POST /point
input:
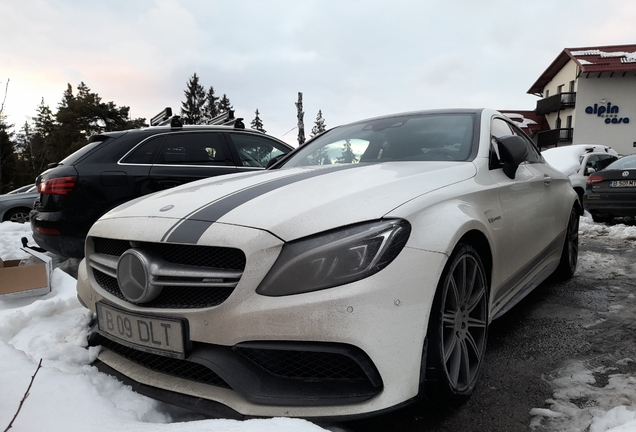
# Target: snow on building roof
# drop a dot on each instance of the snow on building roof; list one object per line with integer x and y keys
{"x": 528, "y": 121}
{"x": 597, "y": 60}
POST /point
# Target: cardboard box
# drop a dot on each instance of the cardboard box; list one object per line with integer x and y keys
{"x": 18, "y": 281}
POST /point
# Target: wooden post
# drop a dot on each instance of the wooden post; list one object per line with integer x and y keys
{"x": 301, "y": 124}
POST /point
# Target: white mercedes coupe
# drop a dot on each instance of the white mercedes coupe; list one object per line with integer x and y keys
{"x": 355, "y": 275}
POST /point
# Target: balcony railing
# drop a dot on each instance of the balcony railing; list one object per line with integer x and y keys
{"x": 556, "y": 103}
{"x": 554, "y": 138}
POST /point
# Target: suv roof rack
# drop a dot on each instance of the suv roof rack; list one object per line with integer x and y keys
{"x": 225, "y": 119}
{"x": 161, "y": 118}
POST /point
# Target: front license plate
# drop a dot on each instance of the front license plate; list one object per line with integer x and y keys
{"x": 147, "y": 333}
{"x": 623, "y": 183}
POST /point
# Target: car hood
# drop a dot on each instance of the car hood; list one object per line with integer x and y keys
{"x": 296, "y": 202}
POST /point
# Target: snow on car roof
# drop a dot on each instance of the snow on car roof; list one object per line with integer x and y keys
{"x": 566, "y": 159}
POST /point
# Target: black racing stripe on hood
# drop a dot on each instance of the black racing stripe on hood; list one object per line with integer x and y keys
{"x": 190, "y": 229}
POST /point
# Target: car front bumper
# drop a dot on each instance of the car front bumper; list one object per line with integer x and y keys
{"x": 377, "y": 325}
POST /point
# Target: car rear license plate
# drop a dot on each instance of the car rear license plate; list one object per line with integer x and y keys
{"x": 154, "y": 334}
{"x": 623, "y": 183}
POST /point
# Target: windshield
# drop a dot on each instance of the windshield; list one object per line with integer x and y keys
{"x": 627, "y": 162}
{"x": 426, "y": 137}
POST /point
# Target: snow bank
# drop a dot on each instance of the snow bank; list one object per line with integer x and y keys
{"x": 68, "y": 394}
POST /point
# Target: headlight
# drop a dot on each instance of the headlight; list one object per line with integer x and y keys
{"x": 335, "y": 257}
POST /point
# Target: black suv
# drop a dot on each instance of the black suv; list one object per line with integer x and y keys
{"x": 115, "y": 167}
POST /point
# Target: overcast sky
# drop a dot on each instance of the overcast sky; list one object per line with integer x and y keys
{"x": 352, "y": 59}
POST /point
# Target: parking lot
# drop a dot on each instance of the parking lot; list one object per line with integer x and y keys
{"x": 571, "y": 335}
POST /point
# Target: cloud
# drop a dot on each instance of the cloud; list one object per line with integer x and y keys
{"x": 351, "y": 59}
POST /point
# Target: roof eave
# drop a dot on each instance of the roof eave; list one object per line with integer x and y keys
{"x": 562, "y": 59}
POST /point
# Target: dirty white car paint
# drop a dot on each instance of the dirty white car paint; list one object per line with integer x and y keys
{"x": 365, "y": 269}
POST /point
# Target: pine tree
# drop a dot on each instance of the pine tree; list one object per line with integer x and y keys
{"x": 52, "y": 137}
{"x": 70, "y": 132}
{"x": 40, "y": 139}
{"x": 257, "y": 123}
{"x": 44, "y": 121}
{"x": 79, "y": 117}
{"x": 320, "y": 157}
{"x": 348, "y": 156}
{"x": 27, "y": 166}
{"x": 7, "y": 158}
{"x": 319, "y": 125}
{"x": 192, "y": 107}
{"x": 210, "y": 107}
{"x": 224, "y": 104}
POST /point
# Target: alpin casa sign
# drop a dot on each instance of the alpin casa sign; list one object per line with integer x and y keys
{"x": 607, "y": 111}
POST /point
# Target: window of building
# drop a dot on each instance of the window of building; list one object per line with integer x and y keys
{"x": 571, "y": 86}
{"x": 568, "y": 122}
{"x": 560, "y": 89}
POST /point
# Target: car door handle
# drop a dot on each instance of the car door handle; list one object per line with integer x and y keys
{"x": 547, "y": 180}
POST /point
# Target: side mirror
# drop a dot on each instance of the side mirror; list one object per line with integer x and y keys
{"x": 589, "y": 170}
{"x": 512, "y": 151}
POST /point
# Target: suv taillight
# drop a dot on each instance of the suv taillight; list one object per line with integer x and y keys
{"x": 57, "y": 186}
{"x": 594, "y": 179}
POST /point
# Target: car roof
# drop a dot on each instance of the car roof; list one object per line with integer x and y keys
{"x": 577, "y": 150}
{"x": 423, "y": 112}
{"x": 149, "y": 130}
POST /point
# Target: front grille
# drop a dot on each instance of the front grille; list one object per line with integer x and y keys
{"x": 170, "y": 366}
{"x": 189, "y": 288}
{"x": 194, "y": 255}
{"x": 305, "y": 365}
{"x": 171, "y": 297}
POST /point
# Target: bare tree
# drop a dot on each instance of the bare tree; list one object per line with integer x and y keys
{"x": 26, "y": 395}
{"x": 6, "y": 89}
{"x": 301, "y": 124}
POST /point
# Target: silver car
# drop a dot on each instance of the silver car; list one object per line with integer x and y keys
{"x": 16, "y": 205}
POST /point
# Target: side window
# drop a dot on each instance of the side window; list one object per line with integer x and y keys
{"x": 534, "y": 155}
{"x": 255, "y": 151}
{"x": 197, "y": 148}
{"x": 498, "y": 129}
{"x": 605, "y": 160}
{"x": 146, "y": 152}
{"x": 592, "y": 162}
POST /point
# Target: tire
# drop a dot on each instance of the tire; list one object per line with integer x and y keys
{"x": 570, "y": 255}
{"x": 457, "y": 329}
{"x": 19, "y": 215}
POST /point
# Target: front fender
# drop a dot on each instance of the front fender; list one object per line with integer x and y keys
{"x": 438, "y": 228}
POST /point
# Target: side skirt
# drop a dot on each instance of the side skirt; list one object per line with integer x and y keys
{"x": 546, "y": 269}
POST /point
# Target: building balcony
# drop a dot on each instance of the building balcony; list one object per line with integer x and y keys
{"x": 554, "y": 138}
{"x": 556, "y": 103}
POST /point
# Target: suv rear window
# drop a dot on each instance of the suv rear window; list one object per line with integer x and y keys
{"x": 79, "y": 154}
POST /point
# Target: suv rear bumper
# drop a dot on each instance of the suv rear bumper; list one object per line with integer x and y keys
{"x": 71, "y": 246}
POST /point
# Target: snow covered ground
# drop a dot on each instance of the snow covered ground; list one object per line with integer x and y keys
{"x": 70, "y": 395}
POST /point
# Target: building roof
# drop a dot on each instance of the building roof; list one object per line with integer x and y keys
{"x": 528, "y": 121}
{"x": 614, "y": 58}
